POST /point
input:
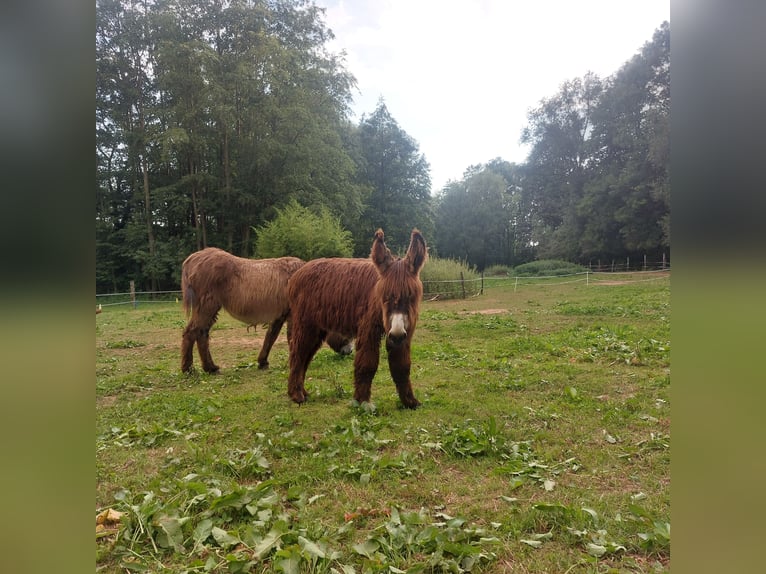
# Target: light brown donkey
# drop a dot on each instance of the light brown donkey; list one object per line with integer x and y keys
{"x": 253, "y": 291}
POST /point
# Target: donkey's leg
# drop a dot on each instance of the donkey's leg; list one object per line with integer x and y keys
{"x": 304, "y": 343}
{"x": 203, "y": 318}
{"x": 203, "y": 345}
{"x": 268, "y": 341}
{"x": 365, "y": 365}
{"x": 399, "y": 364}
{"x": 187, "y": 347}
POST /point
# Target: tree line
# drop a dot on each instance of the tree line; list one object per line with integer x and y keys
{"x": 214, "y": 117}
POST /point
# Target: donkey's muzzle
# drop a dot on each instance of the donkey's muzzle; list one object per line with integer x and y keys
{"x": 395, "y": 340}
{"x": 398, "y": 331}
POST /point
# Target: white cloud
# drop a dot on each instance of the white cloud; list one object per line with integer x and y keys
{"x": 459, "y": 77}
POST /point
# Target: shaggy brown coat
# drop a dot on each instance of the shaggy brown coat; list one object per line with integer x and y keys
{"x": 253, "y": 291}
{"x": 363, "y": 299}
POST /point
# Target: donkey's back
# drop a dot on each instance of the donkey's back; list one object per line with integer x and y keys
{"x": 257, "y": 292}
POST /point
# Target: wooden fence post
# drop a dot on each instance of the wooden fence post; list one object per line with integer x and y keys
{"x": 462, "y": 283}
{"x": 133, "y": 293}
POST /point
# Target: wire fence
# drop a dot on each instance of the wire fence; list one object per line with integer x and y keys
{"x": 135, "y": 298}
{"x": 476, "y": 286}
{"x": 433, "y": 289}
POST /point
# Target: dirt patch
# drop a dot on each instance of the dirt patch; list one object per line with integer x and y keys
{"x": 654, "y": 274}
{"x": 106, "y": 401}
{"x": 486, "y": 312}
{"x": 251, "y": 340}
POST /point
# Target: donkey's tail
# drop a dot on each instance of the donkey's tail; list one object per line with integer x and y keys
{"x": 187, "y": 292}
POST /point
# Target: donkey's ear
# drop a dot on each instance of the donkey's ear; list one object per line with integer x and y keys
{"x": 417, "y": 252}
{"x": 380, "y": 254}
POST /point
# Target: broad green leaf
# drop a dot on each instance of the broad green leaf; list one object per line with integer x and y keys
{"x": 310, "y": 547}
{"x": 515, "y": 482}
{"x": 596, "y": 550}
{"x": 291, "y": 565}
{"x": 223, "y": 538}
{"x": 549, "y": 484}
{"x": 367, "y": 548}
{"x": 203, "y": 530}
{"x": 542, "y": 536}
{"x": 532, "y": 543}
{"x": 455, "y": 522}
{"x": 235, "y": 499}
{"x": 662, "y": 529}
{"x": 269, "y": 541}
{"x": 171, "y": 535}
{"x": 591, "y": 512}
{"x": 638, "y": 511}
{"x": 236, "y": 565}
{"x": 460, "y": 549}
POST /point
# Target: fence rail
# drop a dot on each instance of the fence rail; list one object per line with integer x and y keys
{"x": 628, "y": 265}
{"x": 475, "y": 286}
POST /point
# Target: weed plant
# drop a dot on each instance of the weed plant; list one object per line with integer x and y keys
{"x": 449, "y": 279}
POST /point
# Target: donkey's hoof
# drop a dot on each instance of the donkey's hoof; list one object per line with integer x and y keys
{"x": 263, "y": 366}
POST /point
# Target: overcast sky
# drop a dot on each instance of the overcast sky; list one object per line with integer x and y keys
{"x": 459, "y": 76}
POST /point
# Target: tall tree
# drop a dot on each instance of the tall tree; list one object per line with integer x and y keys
{"x": 472, "y": 221}
{"x": 211, "y": 115}
{"x": 627, "y": 198}
{"x": 399, "y": 177}
{"x": 125, "y": 123}
{"x": 480, "y": 219}
{"x": 559, "y": 131}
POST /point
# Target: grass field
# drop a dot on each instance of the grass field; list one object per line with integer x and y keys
{"x": 542, "y": 444}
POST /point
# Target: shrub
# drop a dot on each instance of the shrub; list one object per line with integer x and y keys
{"x": 497, "y": 271}
{"x": 441, "y": 278}
{"x": 547, "y": 267}
{"x": 305, "y": 233}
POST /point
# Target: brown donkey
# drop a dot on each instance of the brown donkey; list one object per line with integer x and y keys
{"x": 363, "y": 299}
{"x": 251, "y": 290}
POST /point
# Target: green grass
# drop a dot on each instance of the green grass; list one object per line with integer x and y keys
{"x": 542, "y": 445}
